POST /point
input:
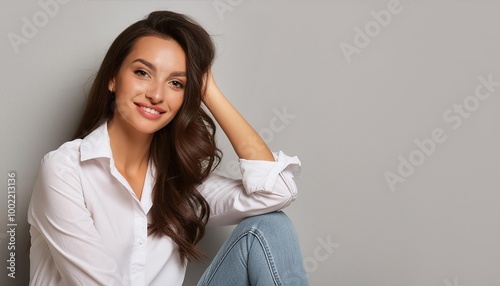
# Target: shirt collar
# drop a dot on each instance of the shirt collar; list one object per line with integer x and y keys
{"x": 96, "y": 144}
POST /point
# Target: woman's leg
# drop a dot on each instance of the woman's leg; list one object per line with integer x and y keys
{"x": 262, "y": 250}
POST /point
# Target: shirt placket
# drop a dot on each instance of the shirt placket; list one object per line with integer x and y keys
{"x": 138, "y": 258}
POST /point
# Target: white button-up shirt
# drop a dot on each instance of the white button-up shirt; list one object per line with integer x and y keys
{"x": 89, "y": 228}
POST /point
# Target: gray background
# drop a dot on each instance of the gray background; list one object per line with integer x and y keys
{"x": 353, "y": 117}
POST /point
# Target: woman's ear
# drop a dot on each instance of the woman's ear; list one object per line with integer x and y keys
{"x": 111, "y": 85}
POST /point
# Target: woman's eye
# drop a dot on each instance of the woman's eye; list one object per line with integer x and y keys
{"x": 141, "y": 73}
{"x": 177, "y": 84}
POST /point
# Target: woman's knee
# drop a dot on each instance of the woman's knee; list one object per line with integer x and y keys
{"x": 274, "y": 223}
{"x": 279, "y": 241}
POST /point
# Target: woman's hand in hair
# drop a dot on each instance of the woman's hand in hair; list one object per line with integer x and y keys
{"x": 245, "y": 140}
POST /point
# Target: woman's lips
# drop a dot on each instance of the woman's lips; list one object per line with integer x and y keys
{"x": 149, "y": 111}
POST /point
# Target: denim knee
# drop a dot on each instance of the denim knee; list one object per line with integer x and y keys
{"x": 269, "y": 224}
{"x": 278, "y": 238}
{"x": 264, "y": 249}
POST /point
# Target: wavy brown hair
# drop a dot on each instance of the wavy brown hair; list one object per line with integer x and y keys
{"x": 184, "y": 151}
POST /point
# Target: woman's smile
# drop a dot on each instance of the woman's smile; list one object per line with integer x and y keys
{"x": 149, "y": 111}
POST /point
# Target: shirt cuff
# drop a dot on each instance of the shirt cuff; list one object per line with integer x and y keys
{"x": 262, "y": 175}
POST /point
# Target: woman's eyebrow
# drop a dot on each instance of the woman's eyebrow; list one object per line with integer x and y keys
{"x": 146, "y": 63}
{"x": 152, "y": 66}
{"x": 178, "y": 73}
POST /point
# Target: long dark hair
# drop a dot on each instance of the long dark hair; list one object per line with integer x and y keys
{"x": 184, "y": 151}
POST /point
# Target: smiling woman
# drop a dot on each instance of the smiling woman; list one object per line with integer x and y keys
{"x": 126, "y": 202}
{"x": 149, "y": 90}
{"x": 160, "y": 75}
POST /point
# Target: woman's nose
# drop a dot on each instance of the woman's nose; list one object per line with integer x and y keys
{"x": 155, "y": 94}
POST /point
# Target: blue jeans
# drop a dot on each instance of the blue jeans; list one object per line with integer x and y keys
{"x": 262, "y": 250}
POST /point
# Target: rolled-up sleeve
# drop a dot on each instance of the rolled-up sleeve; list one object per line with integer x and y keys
{"x": 265, "y": 186}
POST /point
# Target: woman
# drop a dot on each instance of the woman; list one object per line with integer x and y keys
{"x": 127, "y": 200}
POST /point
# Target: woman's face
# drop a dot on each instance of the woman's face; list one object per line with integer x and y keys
{"x": 149, "y": 86}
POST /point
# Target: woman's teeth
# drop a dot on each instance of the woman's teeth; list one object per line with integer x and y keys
{"x": 149, "y": 110}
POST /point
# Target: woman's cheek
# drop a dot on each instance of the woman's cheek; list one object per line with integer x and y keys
{"x": 123, "y": 110}
{"x": 180, "y": 101}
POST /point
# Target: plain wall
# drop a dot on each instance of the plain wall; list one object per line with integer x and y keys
{"x": 392, "y": 120}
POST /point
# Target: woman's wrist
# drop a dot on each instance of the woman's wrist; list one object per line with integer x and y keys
{"x": 211, "y": 90}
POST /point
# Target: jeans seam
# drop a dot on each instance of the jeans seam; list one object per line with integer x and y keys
{"x": 268, "y": 255}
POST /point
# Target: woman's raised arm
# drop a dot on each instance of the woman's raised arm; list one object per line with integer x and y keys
{"x": 246, "y": 142}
